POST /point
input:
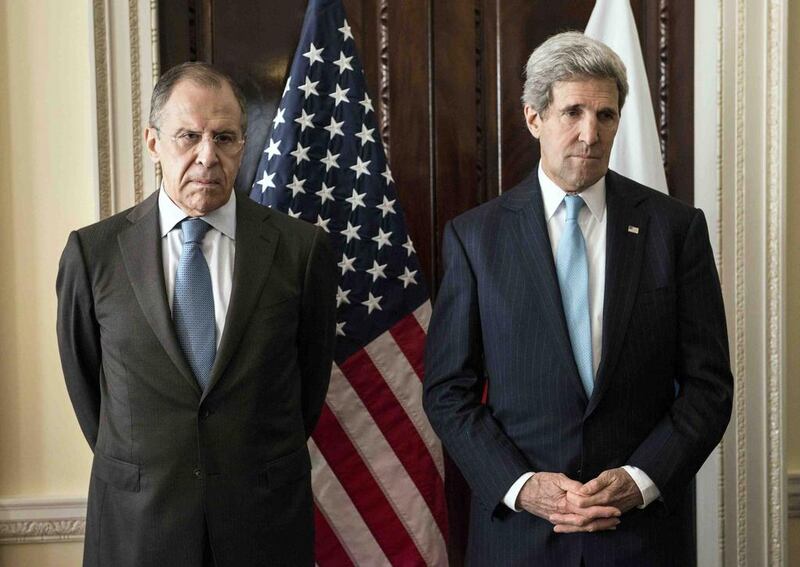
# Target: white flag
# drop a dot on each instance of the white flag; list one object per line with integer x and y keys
{"x": 636, "y": 153}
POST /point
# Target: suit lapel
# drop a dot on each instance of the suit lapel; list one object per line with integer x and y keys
{"x": 537, "y": 259}
{"x": 256, "y": 243}
{"x": 626, "y": 234}
{"x": 141, "y": 253}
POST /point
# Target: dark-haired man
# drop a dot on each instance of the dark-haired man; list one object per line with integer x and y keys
{"x": 196, "y": 336}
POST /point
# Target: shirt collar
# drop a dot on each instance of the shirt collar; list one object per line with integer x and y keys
{"x": 223, "y": 218}
{"x": 553, "y": 196}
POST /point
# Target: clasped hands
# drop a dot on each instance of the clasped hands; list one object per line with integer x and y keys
{"x": 574, "y": 507}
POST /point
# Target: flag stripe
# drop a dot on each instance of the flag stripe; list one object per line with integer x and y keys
{"x": 398, "y": 430}
{"x": 385, "y": 353}
{"x": 395, "y": 479}
{"x": 328, "y": 547}
{"x": 411, "y": 339}
{"x": 423, "y": 315}
{"x": 344, "y": 519}
{"x": 364, "y": 491}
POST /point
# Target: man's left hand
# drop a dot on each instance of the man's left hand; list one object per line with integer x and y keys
{"x": 613, "y": 487}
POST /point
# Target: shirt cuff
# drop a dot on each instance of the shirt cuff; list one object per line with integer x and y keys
{"x": 647, "y": 487}
{"x": 510, "y": 499}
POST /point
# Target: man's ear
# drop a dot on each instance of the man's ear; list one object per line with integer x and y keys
{"x": 152, "y": 143}
{"x": 533, "y": 119}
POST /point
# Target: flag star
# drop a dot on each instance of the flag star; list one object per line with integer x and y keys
{"x": 288, "y": 86}
{"x": 279, "y": 119}
{"x": 335, "y": 128}
{"x": 345, "y": 29}
{"x": 409, "y": 246}
{"x": 323, "y": 223}
{"x": 365, "y": 135}
{"x": 377, "y": 271}
{"x": 266, "y": 181}
{"x": 372, "y": 303}
{"x": 301, "y": 153}
{"x": 356, "y": 199}
{"x": 387, "y": 207}
{"x": 408, "y": 277}
{"x": 382, "y": 239}
{"x": 330, "y": 161}
{"x": 351, "y": 232}
{"x": 388, "y": 175}
{"x": 291, "y": 213}
{"x": 340, "y": 329}
{"x": 273, "y": 149}
{"x": 305, "y": 121}
{"x": 343, "y": 63}
{"x": 297, "y": 187}
{"x": 360, "y": 167}
{"x": 347, "y": 264}
{"x": 339, "y": 95}
{"x": 309, "y": 87}
{"x": 341, "y": 296}
{"x": 313, "y": 54}
{"x": 325, "y": 193}
{"x": 366, "y": 103}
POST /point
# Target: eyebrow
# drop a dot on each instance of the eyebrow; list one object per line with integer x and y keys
{"x": 582, "y": 107}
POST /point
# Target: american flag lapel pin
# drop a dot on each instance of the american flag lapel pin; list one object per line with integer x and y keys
{"x": 633, "y": 229}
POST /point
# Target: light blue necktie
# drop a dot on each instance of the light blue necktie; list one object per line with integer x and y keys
{"x": 573, "y": 279}
{"x": 193, "y": 303}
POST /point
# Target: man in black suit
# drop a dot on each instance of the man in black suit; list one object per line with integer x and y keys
{"x": 591, "y": 307}
{"x": 196, "y": 335}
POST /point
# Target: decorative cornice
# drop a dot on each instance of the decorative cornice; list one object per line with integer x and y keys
{"x": 102, "y": 104}
{"x": 383, "y": 75}
{"x": 776, "y": 237}
{"x": 136, "y": 101}
{"x": 663, "y": 79}
{"x": 40, "y": 520}
{"x": 740, "y": 346}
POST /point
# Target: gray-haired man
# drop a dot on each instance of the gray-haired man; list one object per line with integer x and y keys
{"x": 592, "y": 306}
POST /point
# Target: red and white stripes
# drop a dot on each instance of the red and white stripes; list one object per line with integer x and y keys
{"x": 378, "y": 473}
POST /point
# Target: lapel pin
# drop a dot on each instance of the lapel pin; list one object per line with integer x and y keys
{"x": 633, "y": 229}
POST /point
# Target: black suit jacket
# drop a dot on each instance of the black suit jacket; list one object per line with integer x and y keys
{"x": 662, "y": 396}
{"x": 172, "y": 463}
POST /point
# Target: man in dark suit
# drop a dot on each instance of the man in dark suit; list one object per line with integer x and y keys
{"x": 591, "y": 307}
{"x": 196, "y": 336}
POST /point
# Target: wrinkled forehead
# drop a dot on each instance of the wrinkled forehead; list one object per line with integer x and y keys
{"x": 200, "y": 106}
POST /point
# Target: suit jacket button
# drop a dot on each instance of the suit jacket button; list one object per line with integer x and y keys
{"x": 197, "y": 473}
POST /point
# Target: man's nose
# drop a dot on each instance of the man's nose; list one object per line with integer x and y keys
{"x": 207, "y": 152}
{"x": 589, "y": 131}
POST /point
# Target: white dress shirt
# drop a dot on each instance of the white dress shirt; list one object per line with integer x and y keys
{"x": 593, "y": 221}
{"x": 219, "y": 250}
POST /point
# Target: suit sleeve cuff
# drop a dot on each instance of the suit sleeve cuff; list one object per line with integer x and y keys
{"x": 510, "y": 499}
{"x": 647, "y": 487}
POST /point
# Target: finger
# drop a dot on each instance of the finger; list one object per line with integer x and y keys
{"x": 582, "y": 517}
{"x": 567, "y": 484}
{"x": 603, "y": 498}
{"x": 595, "y": 526}
{"x": 597, "y": 484}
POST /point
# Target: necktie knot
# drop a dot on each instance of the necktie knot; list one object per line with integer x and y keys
{"x": 194, "y": 229}
{"x": 573, "y": 204}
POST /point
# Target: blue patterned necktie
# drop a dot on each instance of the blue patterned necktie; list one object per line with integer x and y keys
{"x": 573, "y": 279}
{"x": 193, "y": 303}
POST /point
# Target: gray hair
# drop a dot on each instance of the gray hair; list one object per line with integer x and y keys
{"x": 202, "y": 74}
{"x": 568, "y": 56}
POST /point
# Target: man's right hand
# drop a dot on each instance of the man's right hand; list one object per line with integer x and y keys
{"x": 545, "y": 494}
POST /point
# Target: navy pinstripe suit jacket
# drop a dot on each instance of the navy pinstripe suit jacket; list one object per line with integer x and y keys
{"x": 498, "y": 317}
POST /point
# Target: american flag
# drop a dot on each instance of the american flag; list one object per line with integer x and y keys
{"x": 378, "y": 471}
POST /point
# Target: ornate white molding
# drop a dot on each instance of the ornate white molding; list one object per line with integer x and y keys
{"x": 746, "y": 208}
{"x": 126, "y": 67}
{"x": 39, "y": 520}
